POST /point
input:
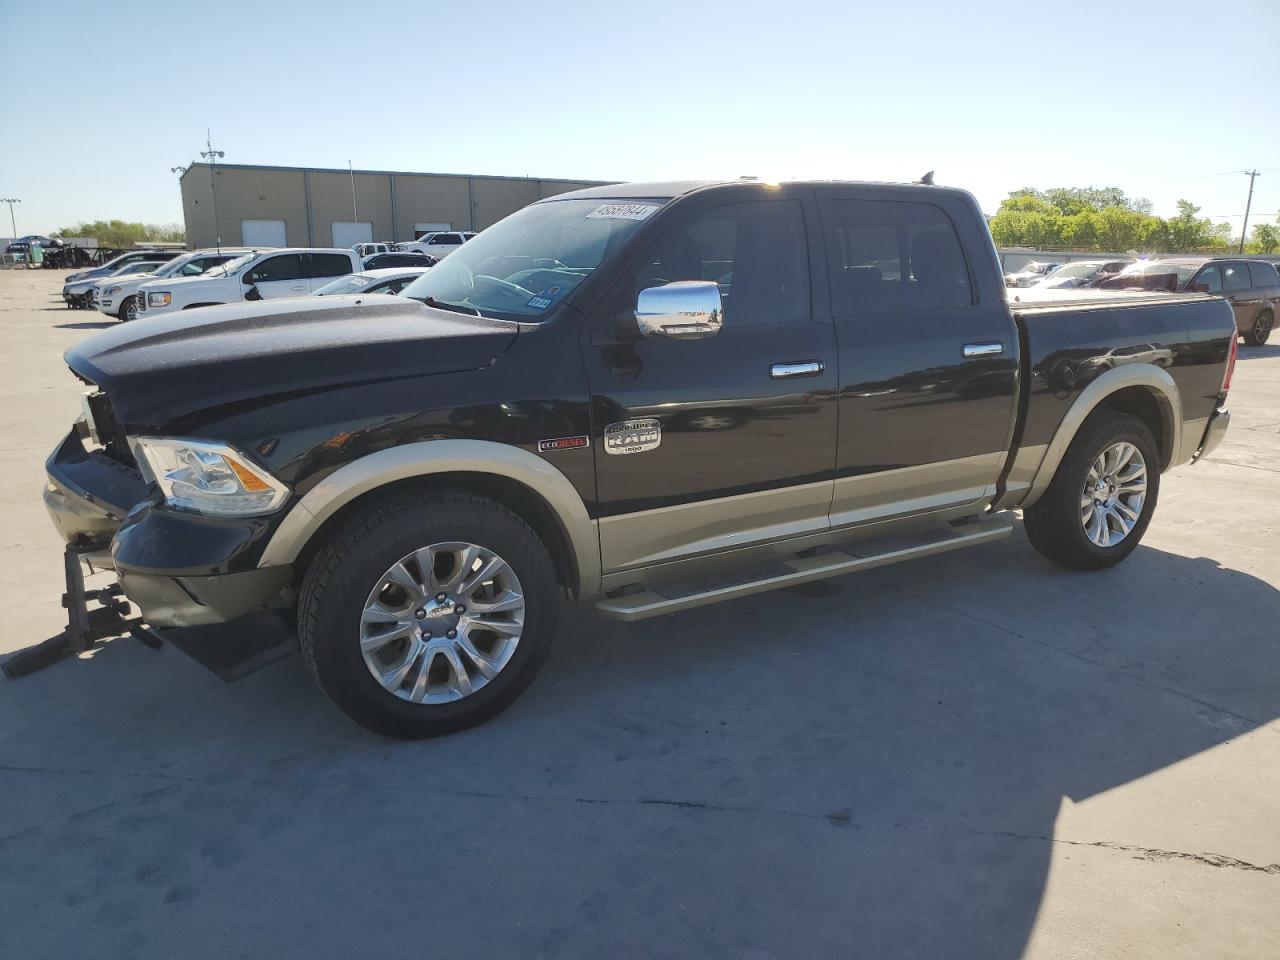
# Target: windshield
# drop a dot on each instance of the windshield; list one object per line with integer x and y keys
{"x": 350, "y": 284}
{"x": 521, "y": 267}
{"x": 1146, "y": 268}
{"x": 1071, "y": 271}
{"x": 230, "y": 267}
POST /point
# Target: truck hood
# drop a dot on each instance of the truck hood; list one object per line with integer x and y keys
{"x": 156, "y": 370}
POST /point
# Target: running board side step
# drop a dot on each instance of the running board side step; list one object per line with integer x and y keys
{"x": 660, "y": 599}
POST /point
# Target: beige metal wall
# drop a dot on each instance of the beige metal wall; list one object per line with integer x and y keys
{"x": 310, "y": 201}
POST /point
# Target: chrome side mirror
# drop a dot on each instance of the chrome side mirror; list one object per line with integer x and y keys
{"x": 684, "y": 310}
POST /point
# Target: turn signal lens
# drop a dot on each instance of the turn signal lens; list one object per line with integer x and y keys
{"x": 209, "y": 478}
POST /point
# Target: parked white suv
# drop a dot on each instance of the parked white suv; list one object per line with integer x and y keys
{"x": 369, "y": 249}
{"x": 260, "y": 275}
{"x": 438, "y": 245}
{"x": 118, "y": 296}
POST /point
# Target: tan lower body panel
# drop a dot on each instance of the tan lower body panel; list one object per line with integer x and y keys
{"x": 709, "y": 526}
{"x": 909, "y": 490}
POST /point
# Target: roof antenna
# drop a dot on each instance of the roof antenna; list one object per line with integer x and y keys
{"x": 927, "y": 179}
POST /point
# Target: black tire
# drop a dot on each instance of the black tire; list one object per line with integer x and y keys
{"x": 123, "y": 315}
{"x": 348, "y": 567}
{"x": 1261, "y": 329}
{"x": 1054, "y": 525}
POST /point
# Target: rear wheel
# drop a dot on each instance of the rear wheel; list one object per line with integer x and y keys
{"x": 1101, "y": 499}
{"x": 1261, "y": 329}
{"x": 428, "y": 613}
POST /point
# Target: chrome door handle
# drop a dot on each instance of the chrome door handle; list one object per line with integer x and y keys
{"x": 987, "y": 348}
{"x": 297, "y": 288}
{"x": 785, "y": 371}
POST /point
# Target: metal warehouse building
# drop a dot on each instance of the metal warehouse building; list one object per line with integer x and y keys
{"x": 312, "y": 207}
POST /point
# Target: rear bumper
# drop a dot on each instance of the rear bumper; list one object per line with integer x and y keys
{"x": 181, "y": 569}
{"x": 1213, "y": 434}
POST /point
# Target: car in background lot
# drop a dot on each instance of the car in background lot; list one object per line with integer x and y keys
{"x": 370, "y": 249}
{"x": 112, "y": 268}
{"x": 438, "y": 245}
{"x": 1033, "y": 272}
{"x": 117, "y": 296}
{"x": 83, "y": 293}
{"x": 396, "y": 259}
{"x": 1080, "y": 273}
{"x": 1251, "y": 286}
{"x": 389, "y": 281}
{"x": 24, "y": 244}
{"x": 259, "y": 275}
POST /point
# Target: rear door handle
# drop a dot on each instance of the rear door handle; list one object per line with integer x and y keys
{"x": 807, "y": 368}
{"x": 987, "y": 348}
{"x": 297, "y": 288}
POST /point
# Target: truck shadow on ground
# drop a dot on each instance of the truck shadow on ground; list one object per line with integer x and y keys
{"x": 870, "y": 768}
{"x": 86, "y": 325}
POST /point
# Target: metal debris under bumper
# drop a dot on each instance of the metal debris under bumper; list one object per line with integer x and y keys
{"x": 659, "y": 599}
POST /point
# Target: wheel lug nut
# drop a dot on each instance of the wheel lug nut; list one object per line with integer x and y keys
{"x": 441, "y": 598}
{"x": 419, "y": 614}
{"x": 452, "y": 634}
{"x": 459, "y": 609}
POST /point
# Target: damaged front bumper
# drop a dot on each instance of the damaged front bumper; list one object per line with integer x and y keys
{"x": 179, "y": 568}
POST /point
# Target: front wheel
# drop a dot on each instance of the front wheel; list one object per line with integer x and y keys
{"x": 1100, "y": 501}
{"x": 1261, "y": 329}
{"x": 129, "y": 309}
{"x": 427, "y": 613}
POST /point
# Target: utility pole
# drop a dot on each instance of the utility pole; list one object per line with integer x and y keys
{"x": 212, "y": 156}
{"x": 1244, "y": 230}
{"x": 12, "y": 223}
{"x": 355, "y": 217}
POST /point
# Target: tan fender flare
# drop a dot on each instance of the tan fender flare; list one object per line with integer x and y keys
{"x": 435, "y": 457}
{"x": 1149, "y": 376}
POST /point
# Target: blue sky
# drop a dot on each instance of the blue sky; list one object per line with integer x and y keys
{"x": 1164, "y": 99}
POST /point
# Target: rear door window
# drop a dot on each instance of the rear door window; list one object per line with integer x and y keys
{"x": 285, "y": 266}
{"x": 1235, "y": 277}
{"x": 892, "y": 255}
{"x": 1263, "y": 273}
{"x": 328, "y": 265}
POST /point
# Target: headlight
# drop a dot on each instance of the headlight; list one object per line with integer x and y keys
{"x": 208, "y": 477}
{"x": 110, "y": 291}
{"x": 159, "y": 299}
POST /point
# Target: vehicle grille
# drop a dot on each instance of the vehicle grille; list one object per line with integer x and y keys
{"x": 140, "y": 301}
{"x": 110, "y": 432}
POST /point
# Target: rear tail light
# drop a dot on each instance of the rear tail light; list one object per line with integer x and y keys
{"x": 1231, "y": 364}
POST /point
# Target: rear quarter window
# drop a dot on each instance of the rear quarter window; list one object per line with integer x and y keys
{"x": 329, "y": 265}
{"x": 1264, "y": 274}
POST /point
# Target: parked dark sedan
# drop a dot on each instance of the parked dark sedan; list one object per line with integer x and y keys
{"x": 380, "y": 261}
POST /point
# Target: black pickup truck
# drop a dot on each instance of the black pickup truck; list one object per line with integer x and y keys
{"x": 644, "y": 396}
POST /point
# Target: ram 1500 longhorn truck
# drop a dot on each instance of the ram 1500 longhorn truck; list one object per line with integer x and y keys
{"x": 645, "y": 396}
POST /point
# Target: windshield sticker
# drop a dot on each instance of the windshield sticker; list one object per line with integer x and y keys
{"x": 544, "y": 299}
{"x": 622, "y": 211}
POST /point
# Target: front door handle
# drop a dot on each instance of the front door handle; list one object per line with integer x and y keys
{"x": 987, "y": 348}
{"x": 807, "y": 368}
{"x": 297, "y": 288}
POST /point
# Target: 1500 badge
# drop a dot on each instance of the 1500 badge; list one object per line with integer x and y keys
{"x": 632, "y": 436}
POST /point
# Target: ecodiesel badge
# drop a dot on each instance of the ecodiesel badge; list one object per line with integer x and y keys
{"x": 632, "y": 436}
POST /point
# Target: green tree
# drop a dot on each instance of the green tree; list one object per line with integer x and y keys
{"x": 1266, "y": 238}
{"x": 120, "y": 234}
{"x": 1189, "y": 232}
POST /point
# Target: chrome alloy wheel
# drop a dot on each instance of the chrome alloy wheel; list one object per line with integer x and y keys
{"x": 442, "y": 622}
{"x": 1114, "y": 491}
{"x": 131, "y": 311}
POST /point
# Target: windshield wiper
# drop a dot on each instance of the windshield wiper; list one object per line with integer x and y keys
{"x": 454, "y": 307}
